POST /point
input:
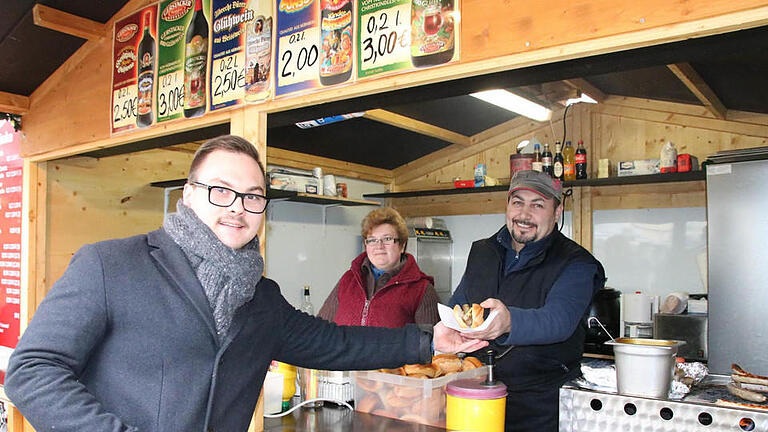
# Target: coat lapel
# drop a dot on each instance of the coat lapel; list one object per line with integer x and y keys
{"x": 172, "y": 259}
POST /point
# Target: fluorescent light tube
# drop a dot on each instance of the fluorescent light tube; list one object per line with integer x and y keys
{"x": 512, "y": 102}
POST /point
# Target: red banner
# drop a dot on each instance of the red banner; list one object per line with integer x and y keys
{"x": 10, "y": 237}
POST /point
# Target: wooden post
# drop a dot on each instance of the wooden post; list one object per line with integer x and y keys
{"x": 251, "y": 124}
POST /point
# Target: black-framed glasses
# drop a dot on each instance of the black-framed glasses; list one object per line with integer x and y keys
{"x": 221, "y": 196}
{"x": 386, "y": 240}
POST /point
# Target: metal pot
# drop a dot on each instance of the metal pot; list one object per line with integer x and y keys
{"x": 644, "y": 367}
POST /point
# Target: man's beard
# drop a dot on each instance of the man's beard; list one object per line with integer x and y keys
{"x": 523, "y": 238}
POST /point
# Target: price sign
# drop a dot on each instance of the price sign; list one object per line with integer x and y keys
{"x": 385, "y": 39}
{"x": 124, "y": 107}
{"x": 228, "y": 79}
{"x": 170, "y": 95}
{"x": 297, "y": 57}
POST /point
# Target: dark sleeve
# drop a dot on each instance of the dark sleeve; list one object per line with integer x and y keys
{"x": 331, "y": 305}
{"x": 564, "y": 306}
{"x": 315, "y": 343}
{"x": 459, "y": 296}
{"x": 43, "y": 372}
{"x": 427, "y": 311}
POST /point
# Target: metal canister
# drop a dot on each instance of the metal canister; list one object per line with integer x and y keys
{"x": 475, "y": 405}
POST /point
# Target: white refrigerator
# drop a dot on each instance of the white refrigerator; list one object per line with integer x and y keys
{"x": 737, "y": 246}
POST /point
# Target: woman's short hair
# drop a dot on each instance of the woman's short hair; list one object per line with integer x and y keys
{"x": 385, "y": 215}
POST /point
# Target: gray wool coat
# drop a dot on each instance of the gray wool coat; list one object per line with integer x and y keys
{"x": 125, "y": 341}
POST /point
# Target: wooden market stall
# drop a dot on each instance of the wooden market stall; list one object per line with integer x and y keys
{"x": 76, "y": 191}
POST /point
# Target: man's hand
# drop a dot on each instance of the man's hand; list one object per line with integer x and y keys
{"x": 500, "y": 325}
{"x": 451, "y": 341}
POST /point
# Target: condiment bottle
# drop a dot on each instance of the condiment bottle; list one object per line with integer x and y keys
{"x": 546, "y": 160}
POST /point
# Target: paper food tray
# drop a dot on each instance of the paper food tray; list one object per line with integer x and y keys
{"x": 447, "y": 318}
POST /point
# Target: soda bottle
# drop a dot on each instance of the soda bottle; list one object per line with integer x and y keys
{"x": 581, "y": 161}
{"x": 546, "y": 161}
{"x": 536, "y": 165}
{"x": 569, "y": 164}
{"x": 557, "y": 162}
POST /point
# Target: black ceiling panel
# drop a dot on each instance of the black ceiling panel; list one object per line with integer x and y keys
{"x": 21, "y": 73}
{"x": 461, "y": 114}
{"x": 30, "y": 54}
{"x": 357, "y": 140}
{"x": 739, "y": 78}
{"x": 656, "y": 82}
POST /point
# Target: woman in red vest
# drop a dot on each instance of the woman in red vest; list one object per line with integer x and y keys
{"x": 384, "y": 287}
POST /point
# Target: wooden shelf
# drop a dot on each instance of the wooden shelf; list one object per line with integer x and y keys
{"x": 282, "y": 195}
{"x": 610, "y": 181}
{"x": 276, "y": 194}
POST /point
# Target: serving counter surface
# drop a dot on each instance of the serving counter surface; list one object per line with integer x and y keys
{"x": 339, "y": 419}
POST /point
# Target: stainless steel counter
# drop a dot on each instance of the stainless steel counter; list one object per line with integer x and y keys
{"x": 339, "y": 419}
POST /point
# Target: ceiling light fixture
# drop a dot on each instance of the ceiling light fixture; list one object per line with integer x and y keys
{"x": 582, "y": 98}
{"x": 512, "y": 102}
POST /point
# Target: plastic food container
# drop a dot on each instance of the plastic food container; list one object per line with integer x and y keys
{"x": 406, "y": 398}
{"x": 644, "y": 367}
{"x": 476, "y": 406}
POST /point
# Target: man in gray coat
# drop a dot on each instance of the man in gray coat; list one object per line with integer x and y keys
{"x": 174, "y": 330}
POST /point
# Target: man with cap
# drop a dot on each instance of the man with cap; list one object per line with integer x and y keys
{"x": 541, "y": 284}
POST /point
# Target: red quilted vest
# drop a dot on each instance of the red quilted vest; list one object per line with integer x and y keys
{"x": 393, "y": 305}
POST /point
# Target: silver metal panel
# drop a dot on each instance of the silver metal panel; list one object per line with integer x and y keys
{"x": 434, "y": 257}
{"x": 578, "y": 413}
{"x": 737, "y": 221}
{"x": 691, "y": 328}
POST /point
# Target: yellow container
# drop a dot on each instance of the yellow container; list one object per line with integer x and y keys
{"x": 289, "y": 380}
{"x": 475, "y": 406}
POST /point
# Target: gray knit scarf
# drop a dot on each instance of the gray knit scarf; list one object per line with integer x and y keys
{"x": 228, "y": 276}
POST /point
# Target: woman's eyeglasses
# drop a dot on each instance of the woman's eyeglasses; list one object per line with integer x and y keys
{"x": 384, "y": 240}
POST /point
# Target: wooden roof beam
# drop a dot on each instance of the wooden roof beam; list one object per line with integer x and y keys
{"x": 13, "y": 103}
{"x": 586, "y": 87}
{"x": 417, "y": 126}
{"x": 696, "y": 84}
{"x": 68, "y": 23}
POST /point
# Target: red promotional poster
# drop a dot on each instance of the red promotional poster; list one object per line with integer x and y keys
{"x": 134, "y": 36}
{"x": 10, "y": 239}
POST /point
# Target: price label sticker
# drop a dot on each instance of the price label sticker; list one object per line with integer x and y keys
{"x": 385, "y": 38}
{"x": 170, "y": 96}
{"x": 124, "y": 107}
{"x": 297, "y": 57}
{"x": 228, "y": 83}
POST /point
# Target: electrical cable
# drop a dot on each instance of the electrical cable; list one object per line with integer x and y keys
{"x": 308, "y": 401}
{"x": 566, "y": 193}
{"x": 565, "y": 112}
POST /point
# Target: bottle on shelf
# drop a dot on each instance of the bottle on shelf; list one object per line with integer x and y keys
{"x": 581, "y": 161}
{"x": 546, "y": 161}
{"x": 536, "y": 165}
{"x": 195, "y": 63}
{"x": 306, "y": 302}
{"x": 146, "y": 74}
{"x": 668, "y": 158}
{"x": 569, "y": 163}
{"x": 557, "y": 162}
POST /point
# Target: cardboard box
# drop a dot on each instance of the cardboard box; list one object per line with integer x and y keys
{"x": 293, "y": 180}
{"x": 639, "y": 167}
{"x": 406, "y": 398}
{"x": 604, "y": 168}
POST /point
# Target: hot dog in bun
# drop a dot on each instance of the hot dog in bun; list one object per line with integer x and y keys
{"x": 469, "y": 316}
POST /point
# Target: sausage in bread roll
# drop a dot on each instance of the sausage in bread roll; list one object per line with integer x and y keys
{"x": 469, "y": 316}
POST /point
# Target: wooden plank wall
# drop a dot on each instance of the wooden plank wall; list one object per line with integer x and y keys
{"x": 92, "y": 199}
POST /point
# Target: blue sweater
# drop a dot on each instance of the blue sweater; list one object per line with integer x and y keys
{"x": 564, "y": 306}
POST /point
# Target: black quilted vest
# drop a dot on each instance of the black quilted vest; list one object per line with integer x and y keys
{"x": 532, "y": 365}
